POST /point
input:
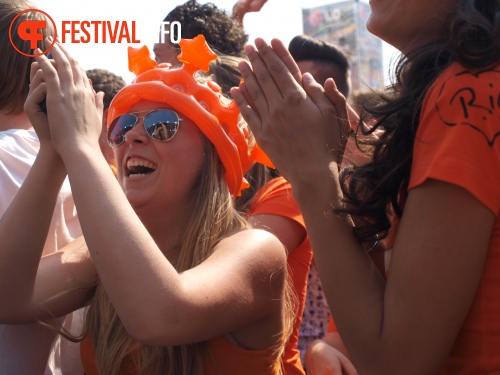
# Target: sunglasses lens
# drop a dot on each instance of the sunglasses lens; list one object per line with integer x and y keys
{"x": 119, "y": 127}
{"x": 162, "y": 124}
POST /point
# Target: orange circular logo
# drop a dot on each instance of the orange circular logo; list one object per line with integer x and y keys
{"x": 29, "y": 31}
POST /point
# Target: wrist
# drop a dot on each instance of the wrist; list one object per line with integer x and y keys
{"x": 49, "y": 157}
{"x": 77, "y": 155}
{"x": 317, "y": 182}
{"x": 319, "y": 195}
{"x": 70, "y": 151}
{"x": 48, "y": 152}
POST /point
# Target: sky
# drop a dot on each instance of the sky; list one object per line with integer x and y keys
{"x": 280, "y": 19}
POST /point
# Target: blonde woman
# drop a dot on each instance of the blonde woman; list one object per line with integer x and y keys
{"x": 184, "y": 285}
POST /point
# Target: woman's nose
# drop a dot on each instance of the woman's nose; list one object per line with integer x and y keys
{"x": 137, "y": 134}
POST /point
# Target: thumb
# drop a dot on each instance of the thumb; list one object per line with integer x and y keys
{"x": 339, "y": 102}
{"x": 336, "y": 97}
{"x": 99, "y": 101}
{"x": 315, "y": 91}
{"x": 99, "y": 104}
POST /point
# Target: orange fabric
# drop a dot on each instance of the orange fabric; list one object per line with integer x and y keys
{"x": 223, "y": 359}
{"x": 199, "y": 101}
{"x": 457, "y": 142}
{"x": 275, "y": 198}
{"x": 240, "y": 361}
{"x": 332, "y": 327}
{"x": 87, "y": 354}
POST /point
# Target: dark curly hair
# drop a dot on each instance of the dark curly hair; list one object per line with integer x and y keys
{"x": 372, "y": 191}
{"x": 223, "y": 33}
{"x": 107, "y": 82}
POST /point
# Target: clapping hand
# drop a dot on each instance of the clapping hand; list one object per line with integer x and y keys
{"x": 302, "y": 126}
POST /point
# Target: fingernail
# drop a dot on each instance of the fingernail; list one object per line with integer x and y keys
{"x": 259, "y": 43}
{"x": 307, "y": 77}
{"x": 249, "y": 49}
{"x": 235, "y": 92}
{"x": 243, "y": 67}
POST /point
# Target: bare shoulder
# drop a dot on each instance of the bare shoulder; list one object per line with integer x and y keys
{"x": 254, "y": 240}
{"x": 257, "y": 247}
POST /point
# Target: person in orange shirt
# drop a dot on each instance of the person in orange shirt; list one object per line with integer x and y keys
{"x": 268, "y": 204}
{"x": 276, "y": 210}
{"x": 271, "y": 207}
{"x": 436, "y": 167}
{"x": 184, "y": 285}
{"x": 322, "y": 60}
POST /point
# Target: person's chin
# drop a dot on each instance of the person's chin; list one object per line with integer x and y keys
{"x": 137, "y": 198}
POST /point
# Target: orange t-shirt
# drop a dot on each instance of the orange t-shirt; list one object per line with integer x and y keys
{"x": 332, "y": 327}
{"x": 223, "y": 358}
{"x": 458, "y": 142}
{"x": 275, "y": 198}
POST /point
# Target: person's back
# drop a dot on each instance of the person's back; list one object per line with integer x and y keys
{"x": 25, "y": 349}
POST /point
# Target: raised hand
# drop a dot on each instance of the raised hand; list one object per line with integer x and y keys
{"x": 300, "y": 125}
{"x": 74, "y": 110}
{"x": 37, "y": 93}
{"x": 243, "y": 7}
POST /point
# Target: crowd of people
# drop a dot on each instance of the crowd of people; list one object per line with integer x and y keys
{"x": 240, "y": 209}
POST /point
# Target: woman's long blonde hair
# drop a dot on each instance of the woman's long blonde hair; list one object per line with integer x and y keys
{"x": 216, "y": 219}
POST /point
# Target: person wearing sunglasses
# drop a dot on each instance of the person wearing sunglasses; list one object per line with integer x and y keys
{"x": 175, "y": 280}
{"x": 160, "y": 124}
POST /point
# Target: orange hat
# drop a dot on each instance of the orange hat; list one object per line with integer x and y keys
{"x": 199, "y": 101}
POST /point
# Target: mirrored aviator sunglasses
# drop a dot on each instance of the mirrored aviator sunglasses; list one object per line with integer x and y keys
{"x": 160, "y": 124}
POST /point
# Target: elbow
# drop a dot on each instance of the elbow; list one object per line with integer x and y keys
{"x": 158, "y": 328}
{"x": 145, "y": 334}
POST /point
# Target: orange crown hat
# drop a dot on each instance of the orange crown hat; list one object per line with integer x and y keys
{"x": 199, "y": 101}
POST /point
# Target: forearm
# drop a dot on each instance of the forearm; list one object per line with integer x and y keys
{"x": 24, "y": 227}
{"x": 65, "y": 280}
{"x": 352, "y": 284}
{"x": 125, "y": 255}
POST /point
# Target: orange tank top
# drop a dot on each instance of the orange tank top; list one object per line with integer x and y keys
{"x": 275, "y": 198}
{"x": 223, "y": 358}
